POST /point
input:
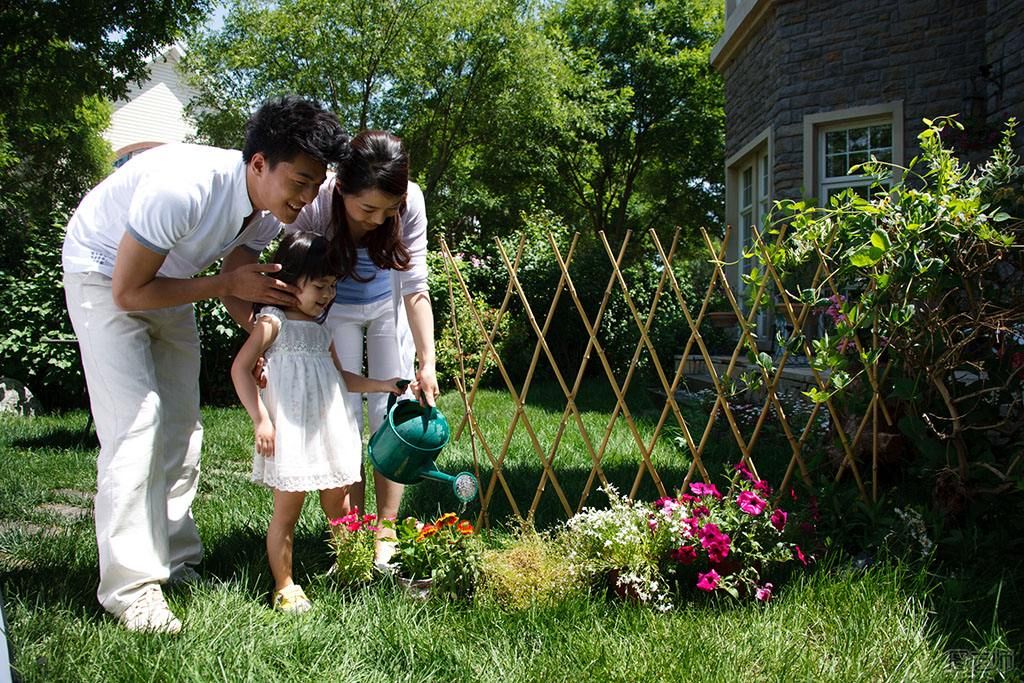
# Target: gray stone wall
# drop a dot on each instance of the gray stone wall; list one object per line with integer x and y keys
{"x": 1004, "y": 78}
{"x": 811, "y": 56}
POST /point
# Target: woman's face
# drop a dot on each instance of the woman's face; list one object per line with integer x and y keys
{"x": 369, "y": 209}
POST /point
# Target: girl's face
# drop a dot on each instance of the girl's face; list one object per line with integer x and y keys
{"x": 369, "y": 209}
{"x": 315, "y": 294}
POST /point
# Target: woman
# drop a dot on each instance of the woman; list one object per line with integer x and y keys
{"x": 376, "y": 223}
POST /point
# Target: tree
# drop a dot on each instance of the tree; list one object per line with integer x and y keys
{"x": 60, "y": 62}
{"x": 464, "y": 83}
{"x": 643, "y": 144}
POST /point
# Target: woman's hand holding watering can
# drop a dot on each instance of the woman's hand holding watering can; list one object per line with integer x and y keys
{"x": 427, "y": 390}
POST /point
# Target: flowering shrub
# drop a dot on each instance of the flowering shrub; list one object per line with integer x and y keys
{"x": 444, "y": 550}
{"x": 702, "y": 540}
{"x": 726, "y": 542}
{"x": 352, "y": 538}
{"x": 618, "y": 546}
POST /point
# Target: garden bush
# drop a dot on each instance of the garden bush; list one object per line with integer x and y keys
{"x": 931, "y": 265}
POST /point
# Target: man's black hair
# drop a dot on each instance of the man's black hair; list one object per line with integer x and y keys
{"x": 285, "y": 126}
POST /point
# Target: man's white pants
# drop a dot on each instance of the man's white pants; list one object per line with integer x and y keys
{"x": 350, "y": 324}
{"x": 142, "y": 371}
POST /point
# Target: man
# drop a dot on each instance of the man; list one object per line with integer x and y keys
{"x": 131, "y": 251}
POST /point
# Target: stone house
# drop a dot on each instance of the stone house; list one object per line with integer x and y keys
{"x": 154, "y": 112}
{"x": 814, "y": 86}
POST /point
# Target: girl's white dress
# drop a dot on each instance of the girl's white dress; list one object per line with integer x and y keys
{"x": 317, "y": 444}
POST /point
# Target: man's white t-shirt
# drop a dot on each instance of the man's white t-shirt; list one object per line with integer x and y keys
{"x": 185, "y": 201}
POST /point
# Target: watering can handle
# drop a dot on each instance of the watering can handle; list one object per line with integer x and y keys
{"x": 401, "y": 384}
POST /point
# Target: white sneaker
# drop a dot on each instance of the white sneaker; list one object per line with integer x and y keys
{"x": 150, "y": 614}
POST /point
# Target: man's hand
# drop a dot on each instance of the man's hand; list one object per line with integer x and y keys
{"x": 250, "y": 283}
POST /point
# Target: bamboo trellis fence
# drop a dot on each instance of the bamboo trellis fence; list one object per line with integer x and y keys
{"x": 487, "y": 451}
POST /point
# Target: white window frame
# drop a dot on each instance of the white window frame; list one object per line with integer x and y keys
{"x": 817, "y": 125}
{"x": 747, "y": 206}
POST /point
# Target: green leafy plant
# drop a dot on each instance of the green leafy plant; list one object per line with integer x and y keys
{"x": 352, "y": 542}
{"x": 444, "y": 550}
{"x": 925, "y": 274}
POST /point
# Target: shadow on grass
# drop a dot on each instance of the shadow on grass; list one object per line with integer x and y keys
{"x": 59, "y": 438}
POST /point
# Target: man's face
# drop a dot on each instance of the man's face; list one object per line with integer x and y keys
{"x": 287, "y": 187}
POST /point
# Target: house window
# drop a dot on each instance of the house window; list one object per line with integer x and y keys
{"x": 754, "y": 200}
{"x": 836, "y": 140}
{"x": 843, "y": 147}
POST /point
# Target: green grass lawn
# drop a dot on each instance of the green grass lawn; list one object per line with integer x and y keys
{"x": 835, "y": 623}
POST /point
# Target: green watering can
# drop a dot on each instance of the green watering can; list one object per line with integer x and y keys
{"x": 404, "y": 447}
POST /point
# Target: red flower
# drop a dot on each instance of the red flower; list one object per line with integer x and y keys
{"x": 685, "y": 554}
{"x": 799, "y": 555}
{"x": 465, "y": 528}
{"x": 778, "y": 519}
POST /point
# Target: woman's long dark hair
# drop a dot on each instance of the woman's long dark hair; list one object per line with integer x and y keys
{"x": 377, "y": 160}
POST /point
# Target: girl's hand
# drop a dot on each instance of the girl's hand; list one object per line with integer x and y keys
{"x": 265, "y": 438}
{"x": 395, "y": 385}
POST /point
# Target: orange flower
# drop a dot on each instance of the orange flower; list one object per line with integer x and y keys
{"x": 427, "y": 531}
{"x": 447, "y": 519}
{"x": 465, "y": 528}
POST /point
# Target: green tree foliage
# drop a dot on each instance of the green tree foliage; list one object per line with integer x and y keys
{"x": 605, "y": 111}
{"x": 643, "y": 143}
{"x": 470, "y": 86}
{"x": 61, "y": 63}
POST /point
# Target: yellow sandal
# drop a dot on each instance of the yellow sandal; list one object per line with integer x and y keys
{"x": 292, "y": 600}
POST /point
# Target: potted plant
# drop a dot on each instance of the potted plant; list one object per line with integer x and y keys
{"x": 352, "y": 541}
{"x": 440, "y": 558}
{"x": 614, "y": 550}
{"x": 726, "y": 542}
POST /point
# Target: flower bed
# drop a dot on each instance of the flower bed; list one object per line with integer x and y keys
{"x": 701, "y": 541}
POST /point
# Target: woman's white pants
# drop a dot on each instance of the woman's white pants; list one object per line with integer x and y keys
{"x": 350, "y": 325}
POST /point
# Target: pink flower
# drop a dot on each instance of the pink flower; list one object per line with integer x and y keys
{"x": 701, "y": 511}
{"x": 685, "y": 554}
{"x": 799, "y": 554}
{"x": 763, "y": 486}
{"x": 764, "y": 593}
{"x": 715, "y": 542}
{"x": 702, "y": 489}
{"x": 666, "y": 504}
{"x": 709, "y": 581}
{"x": 778, "y": 519}
{"x": 741, "y": 467}
{"x": 750, "y": 503}
{"x": 690, "y": 525}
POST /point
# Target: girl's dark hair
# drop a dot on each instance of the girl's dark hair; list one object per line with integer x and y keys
{"x": 303, "y": 256}
{"x": 377, "y": 160}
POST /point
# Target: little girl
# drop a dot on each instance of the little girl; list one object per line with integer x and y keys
{"x": 306, "y": 435}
